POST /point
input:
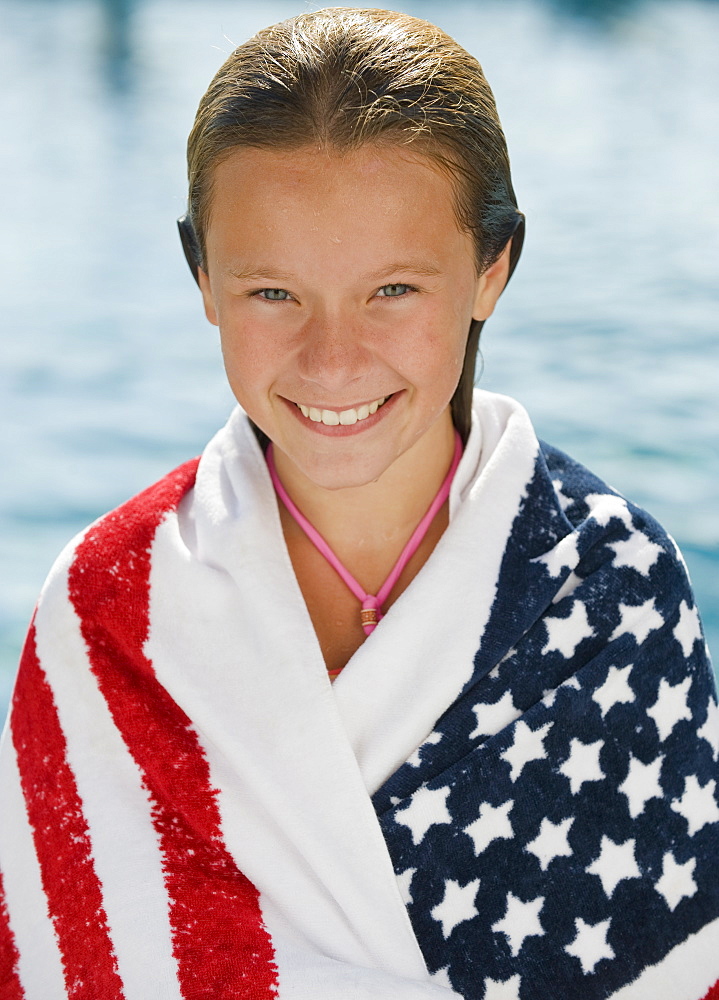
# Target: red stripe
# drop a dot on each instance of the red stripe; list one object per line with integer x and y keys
{"x": 713, "y": 993}
{"x": 62, "y": 842}
{"x": 220, "y": 943}
{"x": 10, "y": 988}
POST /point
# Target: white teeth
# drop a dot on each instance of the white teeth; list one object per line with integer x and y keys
{"x": 346, "y": 417}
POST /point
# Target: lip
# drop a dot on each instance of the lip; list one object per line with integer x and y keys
{"x": 344, "y": 430}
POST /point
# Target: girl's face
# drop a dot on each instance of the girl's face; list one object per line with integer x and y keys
{"x": 344, "y": 290}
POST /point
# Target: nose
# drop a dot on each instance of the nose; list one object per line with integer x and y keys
{"x": 332, "y": 355}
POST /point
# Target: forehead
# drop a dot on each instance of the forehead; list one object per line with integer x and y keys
{"x": 300, "y": 198}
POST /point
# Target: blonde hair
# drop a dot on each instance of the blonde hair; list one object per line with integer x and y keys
{"x": 345, "y": 77}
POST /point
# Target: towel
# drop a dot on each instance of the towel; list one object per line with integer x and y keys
{"x": 510, "y": 791}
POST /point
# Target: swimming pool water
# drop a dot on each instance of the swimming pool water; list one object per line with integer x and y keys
{"x": 608, "y": 332}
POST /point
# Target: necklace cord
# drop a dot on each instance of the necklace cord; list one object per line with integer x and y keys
{"x": 371, "y": 612}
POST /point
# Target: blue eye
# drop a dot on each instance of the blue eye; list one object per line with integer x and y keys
{"x": 274, "y": 294}
{"x": 393, "y": 291}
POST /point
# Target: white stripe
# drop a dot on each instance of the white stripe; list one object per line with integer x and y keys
{"x": 232, "y": 641}
{"x": 688, "y": 972}
{"x": 40, "y": 965}
{"x": 307, "y": 975}
{"x": 296, "y": 815}
{"x": 115, "y": 805}
{"x": 422, "y": 653}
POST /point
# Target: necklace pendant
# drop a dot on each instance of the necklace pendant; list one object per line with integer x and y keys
{"x": 369, "y": 619}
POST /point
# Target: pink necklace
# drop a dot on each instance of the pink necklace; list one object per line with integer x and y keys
{"x": 371, "y": 612}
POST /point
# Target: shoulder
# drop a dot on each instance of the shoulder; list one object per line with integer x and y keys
{"x": 139, "y": 516}
{"x": 110, "y": 550}
{"x": 603, "y": 517}
{"x": 621, "y": 565}
{"x": 567, "y": 516}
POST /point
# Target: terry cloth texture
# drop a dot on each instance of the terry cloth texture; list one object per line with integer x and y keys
{"x": 510, "y": 793}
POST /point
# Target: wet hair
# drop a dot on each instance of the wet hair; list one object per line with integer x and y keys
{"x": 341, "y": 78}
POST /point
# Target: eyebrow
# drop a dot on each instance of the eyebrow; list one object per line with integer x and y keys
{"x": 257, "y": 273}
{"x": 274, "y": 274}
{"x": 414, "y": 266}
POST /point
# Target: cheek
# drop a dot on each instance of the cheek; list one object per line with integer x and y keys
{"x": 439, "y": 358}
{"x": 247, "y": 340}
{"x": 439, "y": 348}
{"x": 249, "y": 361}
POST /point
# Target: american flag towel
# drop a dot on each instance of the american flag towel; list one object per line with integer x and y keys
{"x": 510, "y": 793}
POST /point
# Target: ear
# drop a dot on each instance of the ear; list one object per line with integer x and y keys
{"x": 491, "y": 285}
{"x": 204, "y": 282}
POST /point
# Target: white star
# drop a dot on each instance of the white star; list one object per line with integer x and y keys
{"x": 404, "y": 881}
{"x": 563, "y": 554}
{"x": 456, "y": 906}
{"x": 697, "y": 805}
{"x": 495, "y": 989}
{"x": 441, "y": 976}
{"x": 568, "y": 587}
{"x": 604, "y": 506}
{"x": 637, "y": 552}
{"x": 520, "y": 921}
{"x": 676, "y": 882}
{"x": 670, "y": 707}
{"x": 710, "y": 730}
{"x": 493, "y": 824}
{"x": 565, "y": 634}
{"x": 549, "y": 697}
{"x": 590, "y": 944}
{"x": 551, "y": 842}
{"x": 432, "y": 740}
{"x": 582, "y": 764}
{"x": 426, "y": 809}
{"x": 615, "y": 863}
{"x": 688, "y": 628}
{"x": 615, "y": 690}
{"x": 679, "y": 554}
{"x": 639, "y": 619}
{"x": 564, "y": 500}
{"x": 641, "y": 784}
{"x": 492, "y": 718}
{"x": 528, "y": 745}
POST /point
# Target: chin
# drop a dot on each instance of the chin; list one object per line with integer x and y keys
{"x": 334, "y": 472}
{"x": 341, "y": 478}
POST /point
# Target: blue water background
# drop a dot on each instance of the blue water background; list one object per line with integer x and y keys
{"x": 608, "y": 333}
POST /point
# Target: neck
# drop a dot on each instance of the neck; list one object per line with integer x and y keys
{"x": 361, "y": 522}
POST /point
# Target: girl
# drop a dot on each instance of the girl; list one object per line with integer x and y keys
{"x": 381, "y": 697}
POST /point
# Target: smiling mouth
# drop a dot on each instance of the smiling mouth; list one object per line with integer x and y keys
{"x": 331, "y": 418}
